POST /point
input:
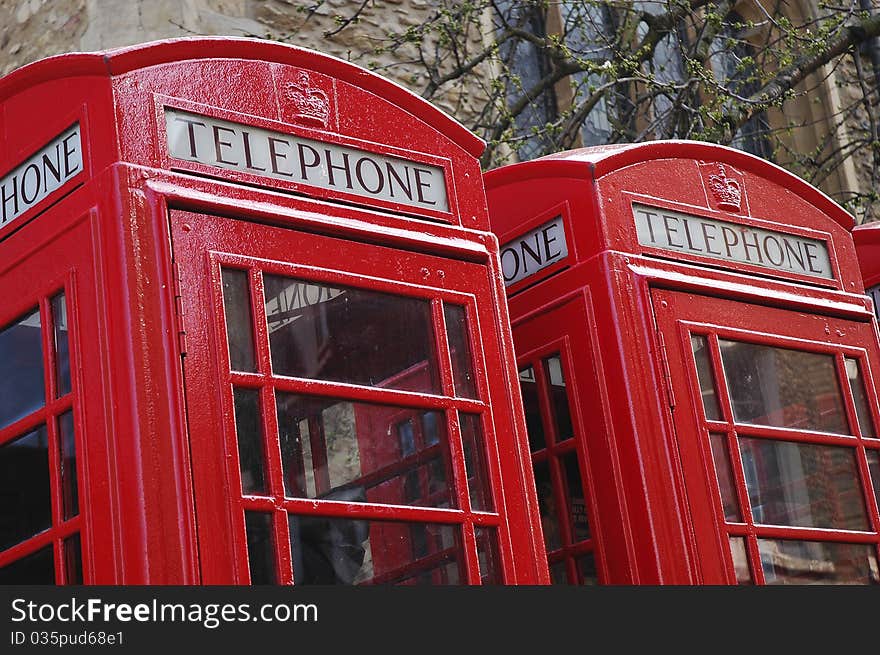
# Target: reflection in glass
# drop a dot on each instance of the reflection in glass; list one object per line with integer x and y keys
{"x": 547, "y": 506}
{"x": 489, "y": 556}
{"x": 558, "y": 398}
{"x": 260, "y": 546}
{"x": 803, "y": 485}
{"x": 783, "y": 388}
{"x": 460, "y": 350}
{"x": 532, "y": 406}
{"x": 62, "y": 345}
{"x": 350, "y": 335}
{"x": 73, "y": 559}
{"x": 24, "y": 487}
{"x": 860, "y": 397}
{"x": 787, "y": 561}
{"x": 579, "y": 524}
{"x": 724, "y": 474}
{"x": 406, "y": 435}
{"x": 740, "y": 561}
{"x": 337, "y": 551}
{"x": 700, "y": 346}
{"x": 37, "y": 568}
{"x": 352, "y": 452}
{"x": 587, "y": 569}
{"x": 21, "y": 369}
{"x": 431, "y": 427}
{"x": 67, "y": 451}
{"x": 874, "y": 470}
{"x": 475, "y": 462}
{"x": 239, "y": 324}
{"x": 249, "y": 433}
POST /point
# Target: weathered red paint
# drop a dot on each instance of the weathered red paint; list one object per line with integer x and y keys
{"x": 619, "y": 314}
{"x": 136, "y": 238}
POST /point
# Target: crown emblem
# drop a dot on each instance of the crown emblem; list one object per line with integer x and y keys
{"x": 310, "y": 103}
{"x": 726, "y": 190}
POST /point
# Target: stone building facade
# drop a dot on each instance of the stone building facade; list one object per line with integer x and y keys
{"x": 33, "y": 29}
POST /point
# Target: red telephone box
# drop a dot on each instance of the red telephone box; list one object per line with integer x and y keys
{"x": 867, "y": 239}
{"x": 253, "y": 329}
{"x": 698, "y": 364}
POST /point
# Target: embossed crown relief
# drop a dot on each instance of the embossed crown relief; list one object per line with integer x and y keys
{"x": 309, "y": 104}
{"x": 724, "y": 186}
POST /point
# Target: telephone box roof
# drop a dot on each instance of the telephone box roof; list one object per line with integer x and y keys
{"x": 119, "y": 61}
{"x": 597, "y": 161}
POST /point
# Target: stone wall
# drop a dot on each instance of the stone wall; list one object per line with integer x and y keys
{"x": 33, "y": 29}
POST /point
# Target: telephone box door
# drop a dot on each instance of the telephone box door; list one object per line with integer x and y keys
{"x": 338, "y": 409}
{"x": 550, "y": 349}
{"x": 775, "y": 415}
{"x": 53, "y": 448}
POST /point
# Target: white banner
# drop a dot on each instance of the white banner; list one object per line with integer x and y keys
{"x": 533, "y": 251}
{"x": 722, "y": 240}
{"x": 280, "y": 156}
{"x": 46, "y": 171}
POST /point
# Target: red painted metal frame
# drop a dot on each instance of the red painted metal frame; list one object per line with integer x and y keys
{"x": 139, "y": 521}
{"x": 642, "y": 503}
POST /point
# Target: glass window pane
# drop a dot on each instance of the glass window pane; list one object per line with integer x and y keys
{"x": 783, "y": 388}
{"x": 350, "y": 335}
{"x": 21, "y": 369}
{"x": 489, "y": 555}
{"x": 813, "y": 562}
{"x": 62, "y": 345}
{"x": 475, "y": 462}
{"x": 703, "y": 360}
{"x": 460, "y": 351}
{"x": 558, "y": 573}
{"x": 260, "y": 546}
{"x": 532, "y": 406}
{"x": 740, "y": 561}
{"x": 25, "y": 500}
{"x": 354, "y": 453}
{"x": 239, "y": 320}
{"x": 724, "y": 473}
{"x": 860, "y": 397}
{"x": 335, "y": 551}
{"x": 803, "y": 485}
{"x": 73, "y": 559}
{"x": 547, "y": 505}
{"x": 406, "y": 435}
{"x": 558, "y": 398}
{"x": 249, "y": 433}
{"x": 587, "y": 569}
{"x": 69, "y": 489}
{"x": 36, "y": 568}
{"x": 431, "y": 428}
{"x": 579, "y": 523}
{"x": 874, "y": 469}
